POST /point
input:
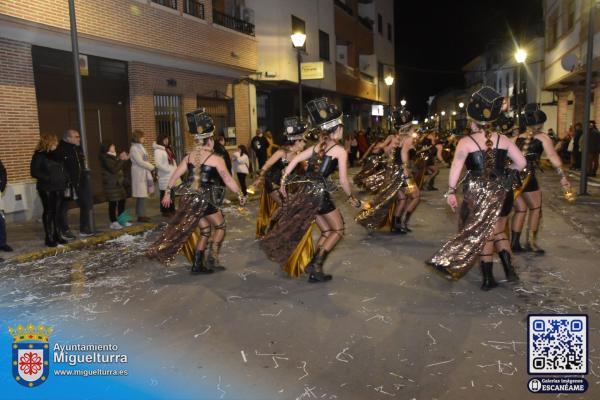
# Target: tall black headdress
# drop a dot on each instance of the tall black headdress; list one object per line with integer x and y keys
{"x": 324, "y": 114}
{"x": 295, "y": 128}
{"x": 485, "y": 105}
{"x": 401, "y": 118}
{"x": 200, "y": 124}
{"x": 532, "y": 115}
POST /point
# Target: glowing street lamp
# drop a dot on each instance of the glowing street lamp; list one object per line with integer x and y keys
{"x": 461, "y": 104}
{"x": 298, "y": 40}
{"x": 402, "y": 102}
{"x": 520, "y": 57}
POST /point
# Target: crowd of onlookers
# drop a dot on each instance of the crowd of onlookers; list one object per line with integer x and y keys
{"x": 571, "y": 145}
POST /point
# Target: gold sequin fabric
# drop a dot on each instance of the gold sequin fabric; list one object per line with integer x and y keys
{"x": 192, "y": 208}
{"x": 479, "y": 212}
{"x": 292, "y": 220}
{"x": 376, "y": 179}
{"x": 376, "y": 216}
{"x": 372, "y": 165}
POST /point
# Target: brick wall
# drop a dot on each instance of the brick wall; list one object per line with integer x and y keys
{"x": 146, "y": 80}
{"x": 144, "y": 25}
{"x": 19, "y": 128}
{"x": 578, "y": 105}
{"x": 562, "y": 125}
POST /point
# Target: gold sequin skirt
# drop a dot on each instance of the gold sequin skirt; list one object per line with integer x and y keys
{"x": 479, "y": 212}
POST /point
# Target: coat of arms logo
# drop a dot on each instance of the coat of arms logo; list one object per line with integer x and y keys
{"x": 30, "y": 354}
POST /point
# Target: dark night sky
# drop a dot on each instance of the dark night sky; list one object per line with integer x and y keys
{"x": 445, "y": 35}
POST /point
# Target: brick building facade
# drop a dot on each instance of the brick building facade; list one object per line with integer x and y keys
{"x": 179, "y": 50}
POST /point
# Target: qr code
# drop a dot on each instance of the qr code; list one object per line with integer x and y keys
{"x": 557, "y": 344}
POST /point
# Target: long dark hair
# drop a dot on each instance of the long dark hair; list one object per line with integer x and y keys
{"x": 323, "y": 139}
{"x": 243, "y": 150}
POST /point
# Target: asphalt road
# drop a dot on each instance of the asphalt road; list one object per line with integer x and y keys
{"x": 385, "y": 326}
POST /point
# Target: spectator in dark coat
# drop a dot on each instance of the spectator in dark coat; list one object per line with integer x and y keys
{"x": 71, "y": 154}
{"x": 593, "y": 150}
{"x": 113, "y": 181}
{"x": 259, "y": 145}
{"x": 220, "y": 149}
{"x": 47, "y": 167}
{"x": 3, "y": 182}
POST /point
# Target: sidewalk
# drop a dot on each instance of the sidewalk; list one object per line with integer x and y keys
{"x": 27, "y": 237}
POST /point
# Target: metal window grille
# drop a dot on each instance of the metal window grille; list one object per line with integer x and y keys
{"x": 167, "y": 3}
{"x": 167, "y": 113}
{"x": 194, "y": 7}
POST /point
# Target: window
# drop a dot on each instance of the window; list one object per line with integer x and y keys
{"x": 380, "y": 71}
{"x": 167, "y": 3}
{"x": 298, "y": 25}
{"x": 380, "y": 24}
{"x": 323, "y": 45}
{"x": 389, "y": 26}
{"x": 552, "y": 30}
{"x": 167, "y": 114}
{"x": 194, "y": 7}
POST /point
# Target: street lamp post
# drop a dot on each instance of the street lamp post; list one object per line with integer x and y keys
{"x": 520, "y": 57}
{"x": 441, "y": 118}
{"x": 80, "y": 112}
{"x": 389, "y": 81}
{"x": 298, "y": 40}
{"x": 588, "y": 99}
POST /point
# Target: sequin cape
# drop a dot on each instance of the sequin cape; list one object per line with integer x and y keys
{"x": 484, "y": 196}
{"x": 377, "y": 215}
{"x": 192, "y": 208}
{"x": 372, "y": 165}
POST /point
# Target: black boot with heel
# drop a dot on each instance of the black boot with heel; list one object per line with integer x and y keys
{"x": 488, "y": 276}
{"x": 316, "y": 267}
{"x": 509, "y": 269}
{"x": 198, "y": 267}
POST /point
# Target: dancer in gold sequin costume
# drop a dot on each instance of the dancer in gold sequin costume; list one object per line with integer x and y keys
{"x": 484, "y": 154}
{"x": 311, "y": 201}
{"x": 533, "y": 142}
{"x": 199, "y": 205}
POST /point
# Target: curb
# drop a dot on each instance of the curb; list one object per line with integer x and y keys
{"x": 81, "y": 243}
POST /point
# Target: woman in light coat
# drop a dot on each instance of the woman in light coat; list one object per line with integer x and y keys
{"x": 164, "y": 157}
{"x": 142, "y": 184}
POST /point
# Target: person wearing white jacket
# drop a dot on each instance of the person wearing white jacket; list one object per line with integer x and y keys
{"x": 142, "y": 184}
{"x": 164, "y": 157}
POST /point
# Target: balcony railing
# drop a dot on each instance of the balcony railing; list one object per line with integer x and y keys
{"x": 194, "y": 7}
{"x": 368, "y": 23}
{"x": 167, "y": 3}
{"x": 343, "y": 6}
{"x": 233, "y": 23}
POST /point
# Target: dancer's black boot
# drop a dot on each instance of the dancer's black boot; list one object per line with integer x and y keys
{"x": 48, "y": 221}
{"x": 509, "y": 269}
{"x": 430, "y": 186}
{"x": 198, "y": 266}
{"x": 531, "y": 244}
{"x": 212, "y": 258}
{"x": 488, "y": 276}
{"x": 405, "y": 219}
{"x": 515, "y": 242}
{"x": 317, "y": 274}
{"x": 397, "y": 226}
